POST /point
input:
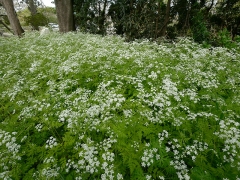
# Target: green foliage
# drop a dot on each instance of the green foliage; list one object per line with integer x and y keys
{"x": 78, "y": 106}
{"x": 138, "y": 19}
{"x": 45, "y": 15}
{"x": 49, "y": 13}
{"x": 199, "y": 29}
{"x": 36, "y": 20}
{"x": 224, "y": 39}
{"x": 91, "y": 15}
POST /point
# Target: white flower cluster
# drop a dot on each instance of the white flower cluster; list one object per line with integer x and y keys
{"x": 88, "y": 160}
{"x": 148, "y": 157}
{"x": 94, "y": 110}
{"x": 108, "y": 157}
{"x": 68, "y": 66}
{"x": 162, "y": 136}
{"x": 9, "y": 141}
{"x": 9, "y": 152}
{"x": 191, "y": 93}
{"x": 127, "y": 113}
{"x": 148, "y": 177}
{"x": 178, "y": 162}
{"x": 50, "y": 172}
{"x": 49, "y": 160}
{"x": 171, "y": 88}
{"x": 153, "y": 75}
{"x": 161, "y": 177}
{"x": 177, "y": 121}
{"x": 119, "y": 176}
{"x": 107, "y": 165}
{"x": 39, "y": 127}
{"x": 34, "y": 66}
{"x": 201, "y": 78}
{"x": 51, "y": 142}
{"x": 68, "y": 115}
{"x": 40, "y": 105}
{"x": 135, "y": 145}
{"x": 27, "y": 112}
{"x": 5, "y": 175}
{"x": 229, "y": 131}
{"x": 153, "y": 117}
{"x": 193, "y": 149}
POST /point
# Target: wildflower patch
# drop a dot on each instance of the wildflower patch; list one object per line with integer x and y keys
{"x": 81, "y": 106}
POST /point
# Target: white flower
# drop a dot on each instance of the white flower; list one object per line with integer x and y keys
{"x": 51, "y": 142}
{"x": 161, "y": 177}
{"x": 153, "y": 75}
{"x": 143, "y": 164}
{"x": 119, "y": 176}
{"x": 193, "y": 158}
{"x": 148, "y": 177}
{"x": 39, "y": 127}
{"x": 104, "y": 165}
{"x": 167, "y": 149}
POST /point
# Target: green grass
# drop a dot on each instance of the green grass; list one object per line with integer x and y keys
{"x": 80, "y": 106}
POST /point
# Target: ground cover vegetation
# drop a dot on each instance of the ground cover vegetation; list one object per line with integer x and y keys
{"x": 81, "y": 106}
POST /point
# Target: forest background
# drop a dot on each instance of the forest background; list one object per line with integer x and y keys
{"x": 215, "y": 22}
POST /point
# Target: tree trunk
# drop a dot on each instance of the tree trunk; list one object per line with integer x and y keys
{"x": 102, "y": 18}
{"x": 64, "y": 10}
{"x": 33, "y": 9}
{"x": 166, "y": 20}
{"x": 12, "y": 16}
{"x": 157, "y": 20}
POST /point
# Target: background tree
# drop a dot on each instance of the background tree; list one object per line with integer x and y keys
{"x": 64, "y": 9}
{"x": 12, "y": 16}
{"x": 199, "y": 19}
{"x": 227, "y": 15}
{"x": 32, "y": 7}
{"x": 39, "y": 19}
{"x": 141, "y": 18}
{"x": 85, "y": 15}
{"x": 91, "y": 15}
{"x": 166, "y": 19}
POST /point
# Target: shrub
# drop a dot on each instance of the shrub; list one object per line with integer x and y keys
{"x": 36, "y": 20}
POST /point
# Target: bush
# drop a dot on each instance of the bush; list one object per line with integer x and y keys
{"x": 199, "y": 30}
{"x": 36, "y": 20}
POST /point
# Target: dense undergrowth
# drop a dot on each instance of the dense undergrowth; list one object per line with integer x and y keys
{"x": 80, "y": 106}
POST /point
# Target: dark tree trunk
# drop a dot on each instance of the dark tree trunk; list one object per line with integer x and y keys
{"x": 166, "y": 20}
{"x": 157, "y": 20}
{"x": 65, "y": 18}
{"x": 12, "y": 16}
{"x": 102, "y": 18}
{"x": 33, "y": 9}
